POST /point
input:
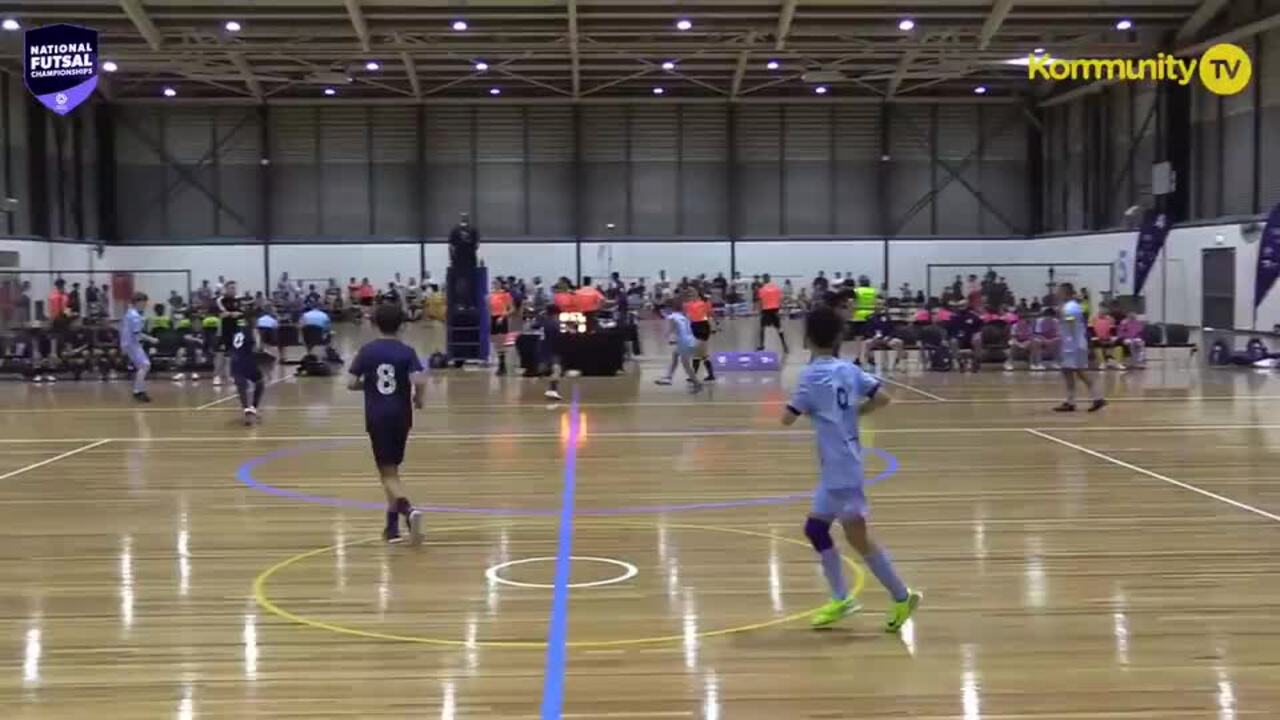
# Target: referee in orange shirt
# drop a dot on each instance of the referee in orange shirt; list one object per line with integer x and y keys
{"x": 770, "y": 296}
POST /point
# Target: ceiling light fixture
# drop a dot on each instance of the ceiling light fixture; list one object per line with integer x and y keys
{"x": 772, "y": 65}
{"x": 1124, "y": 24}
{"x": 231, "y": 26}
{"x": 684, "y": 24}
{"x": 495, "y": 91}
{"x": 669, "y": 65}
{"x": 459, "y": 25}
{"x": 980, "y": 90}
{"x": 110, "y": 66}
{"x": 481, "y": 66}
{"x": 170, "y": 92}
{"x": 10, "y": 24}
{"x": 330, "y": 92}
{"x": 821, "y": 89}
{"x": 372, "y": 66}
{"x": 906, "y": 24}
{"x": 658, "y": 91}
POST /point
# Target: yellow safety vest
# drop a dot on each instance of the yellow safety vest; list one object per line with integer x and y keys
{"x": 865, "y": 299}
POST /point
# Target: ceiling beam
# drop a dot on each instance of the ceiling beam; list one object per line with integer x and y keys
{"x": 246, "y": 72}
{"x": 1241, "y": 33}
{"x": 358, "y": 23}
{"x": 574, "y": 56}
{"x": 1207, "y": 11}
{"x": 411, "y": 68}
{"x": 786, "y": 14}
{"x": 999, "y": 11}
{"x": 740, "y": 70}
{"x": 900, "y": 72}
{"x": 141, "y": 20}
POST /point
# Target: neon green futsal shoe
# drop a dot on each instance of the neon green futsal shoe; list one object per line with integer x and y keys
{"x": 833, "y": 611}
{"x": 902, "y": 611}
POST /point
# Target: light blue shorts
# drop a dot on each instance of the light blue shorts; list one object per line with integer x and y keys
{"x": 1075, "y": 360}
{"x": 840, "y": 502}
{"x": 138, "y": 357}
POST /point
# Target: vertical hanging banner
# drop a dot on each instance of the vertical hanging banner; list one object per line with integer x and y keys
{"x": 1268, "y": 258}
{"x": 1155, "y": 228}
{"x": 60, "y": 65}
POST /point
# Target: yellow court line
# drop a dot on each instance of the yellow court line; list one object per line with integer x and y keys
{"x": 264, "y": 600}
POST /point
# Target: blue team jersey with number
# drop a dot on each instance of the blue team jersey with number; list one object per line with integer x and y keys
{"x": 829, "y": 392}
{"x": 386, "y": 366}
{"x": 244, "y": 362}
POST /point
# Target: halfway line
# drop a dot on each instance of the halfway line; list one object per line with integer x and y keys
{"x": 553, "y": 674}
{"x": 1156, "y": 475}
{"x": 53, "y": 459}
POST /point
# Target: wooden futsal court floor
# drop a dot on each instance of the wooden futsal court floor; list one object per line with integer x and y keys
{"x": 165, "y": 562}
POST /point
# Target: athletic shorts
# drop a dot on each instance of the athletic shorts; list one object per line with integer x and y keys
{"x": 226, "y": 338}
{"x": 388, "y": 443}
{"x": 770, "y": 318}
{"x": 701, "y": 329}
{"x": 855, "y": 329}
{"x": 138, "y": 357}
{"x": 249, "y": 374}
{"x": 1074, "y": 360}
{"x": 498, "y": 326}
{"x": 840, "y": 502}
{"x": 366, "y": 301}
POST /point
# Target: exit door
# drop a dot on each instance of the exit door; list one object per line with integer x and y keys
{"x": 1218, "y": 288}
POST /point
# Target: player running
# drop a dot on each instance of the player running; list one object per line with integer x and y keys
{"x": 833, "y": 393}
{"x": 391, "y": 376}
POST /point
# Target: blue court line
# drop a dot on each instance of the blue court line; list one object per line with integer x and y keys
{"x": 245, "y": 474}
{"x": 553, "y": 673}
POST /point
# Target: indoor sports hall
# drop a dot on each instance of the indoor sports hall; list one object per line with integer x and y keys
{"x": 995, "y": 275}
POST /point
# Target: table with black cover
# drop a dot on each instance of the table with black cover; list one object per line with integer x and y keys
{"x": 598, "y": 353}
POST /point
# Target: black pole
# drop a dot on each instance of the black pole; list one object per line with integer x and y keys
{"x": 1035, "y": 169}
{"x": 6, "y": 162}
{"x": 37, "y": 168}
{"x": 265, "y": 193}
{"x": 731, "y": 184}
{"x": 105, "y": 136}
{"x": 578, "y": 186}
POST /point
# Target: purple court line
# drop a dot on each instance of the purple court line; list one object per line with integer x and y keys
{"x": 245, "y": 474}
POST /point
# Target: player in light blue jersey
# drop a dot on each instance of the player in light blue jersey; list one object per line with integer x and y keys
{"x": 131, "y": 338}
{"x": 680, "y": 331}
{"x": 833, "y": 393}
{"x": 1075, "y": 352}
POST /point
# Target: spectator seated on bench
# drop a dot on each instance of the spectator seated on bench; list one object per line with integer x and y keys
{"x": 965, "y": 331}
{"x": 879, "y": 332}
{"x": 1131, "y": 335}
{"x": 932, "y": 339}
{"x": 1023, "y": 345}
{"x": 1048, "y": 334}
{"x": 77, "y": 351}
{"x": 1104, "y": 341}
{"x": 191, "y": 356}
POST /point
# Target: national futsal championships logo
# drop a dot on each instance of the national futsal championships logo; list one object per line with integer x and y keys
{"x": 1224, "y": 69}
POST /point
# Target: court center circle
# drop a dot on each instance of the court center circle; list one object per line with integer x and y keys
{"x": 628, "y": 571}
{"x": 262, "y": 597}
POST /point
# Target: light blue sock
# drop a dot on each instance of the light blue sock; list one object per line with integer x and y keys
{"x": 882, "y": 567}
{"x": 833, "y": 568}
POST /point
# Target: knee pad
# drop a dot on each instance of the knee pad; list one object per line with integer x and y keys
{"x": 819, "y": 533}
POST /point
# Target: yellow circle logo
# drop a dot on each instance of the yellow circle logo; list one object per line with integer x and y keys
{"x": 1225, "y": 69}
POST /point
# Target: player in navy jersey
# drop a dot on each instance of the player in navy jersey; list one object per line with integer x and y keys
{"x": 245, "y": 370}
{"x": 833, "y": 393}
{"x": 391, "y": 376}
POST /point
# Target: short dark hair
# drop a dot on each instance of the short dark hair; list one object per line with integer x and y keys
{"x": 1067, "y": 288}
{"x": 388, "y": 317}
{"x": 824, "y": 327}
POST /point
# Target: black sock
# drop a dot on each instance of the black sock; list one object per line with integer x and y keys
{"x": 258, "y": 388}
{"x": 404, "y": 507}
{"x": 393, "y": 523}
{"x": 697, "y": 362}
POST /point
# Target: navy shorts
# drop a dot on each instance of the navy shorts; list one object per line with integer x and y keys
{"x": 388, "y": 443}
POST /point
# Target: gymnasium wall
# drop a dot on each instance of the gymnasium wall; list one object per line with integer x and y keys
{"x": 1023, "y": 261}
{"x": 343, "y": 173}
{"x": 1093, "y": 176}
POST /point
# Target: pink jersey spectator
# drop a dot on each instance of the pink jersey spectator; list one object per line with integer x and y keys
{"x": 1011, "y": 318}
{"x": 1023, "y": 330}
{"x": 1103, "y": 327}
{"x": 989, "y": 317}
{"x": 942, "y": 315}
{"x": 1131, "y": 329}
{"x": 1047, "y": 327}
{"x": 922, "y": 316}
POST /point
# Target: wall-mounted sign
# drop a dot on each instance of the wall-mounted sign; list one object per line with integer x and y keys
{"x": 60, "y": 65}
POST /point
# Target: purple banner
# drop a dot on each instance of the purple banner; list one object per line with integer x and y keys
{"x": 60, "y": 65}
{"x": 1268, "y": 258}
{"x": 1155, "y": 229}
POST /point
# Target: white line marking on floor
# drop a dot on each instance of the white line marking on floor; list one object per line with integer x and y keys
{"x": 1157, "y": 476}
{"x": 53, "y": 459}
{"x": 234, "y": 395}
{"x": 913, "y": 389}
{"x": 548, "y": 436}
